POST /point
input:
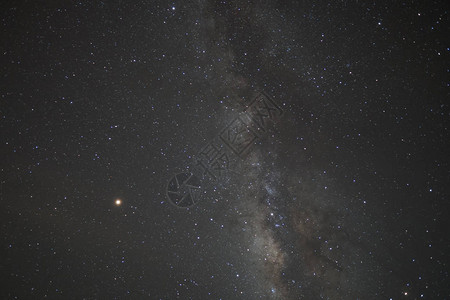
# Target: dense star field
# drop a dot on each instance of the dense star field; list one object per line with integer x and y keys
{"x": 225, "y": 150}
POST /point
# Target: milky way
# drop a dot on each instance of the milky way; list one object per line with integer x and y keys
{"x": 224, "y": 150}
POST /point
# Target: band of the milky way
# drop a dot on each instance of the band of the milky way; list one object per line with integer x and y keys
{"x": 224, "y": 150}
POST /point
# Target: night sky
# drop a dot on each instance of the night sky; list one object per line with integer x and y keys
{"x": 225, "y": 150}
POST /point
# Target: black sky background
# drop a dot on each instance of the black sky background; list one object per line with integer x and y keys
{"x": 345, "y": 197}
